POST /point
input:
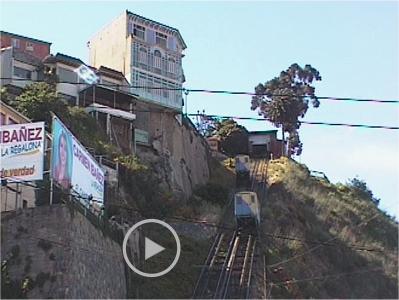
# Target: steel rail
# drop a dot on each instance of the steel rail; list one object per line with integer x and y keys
{"x": 236, "y": 285}
{"x": 225, "y": 264}
{"x": 207, "y": 265}
{"x": 230, "y": 266}
{"x": 250, "y": 271}
{"x": 231, "y": 257}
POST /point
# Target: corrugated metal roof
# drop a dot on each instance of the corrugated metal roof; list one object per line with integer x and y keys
{"x": 111, "y": 111}
{"x": 68, "y": 59}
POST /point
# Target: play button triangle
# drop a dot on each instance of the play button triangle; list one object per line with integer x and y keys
{"x": 151, "y": 248}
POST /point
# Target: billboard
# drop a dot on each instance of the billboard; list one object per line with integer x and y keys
{"x": 22, "y": 151}
{"x": 72, "y": 166}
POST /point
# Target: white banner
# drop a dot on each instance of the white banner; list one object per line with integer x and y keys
{"x": 22, "y": 151}
{"x": 73, "y": 167}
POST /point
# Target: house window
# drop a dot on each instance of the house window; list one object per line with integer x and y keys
{"x": 149, "y": 86}
{"x": 165, "y": 91}
{"x": 11, "y": 121}
{"x": 68, "y": 99}
{"x": 158, "y": 87}
{"x": 143, "y": 55}
{"x": 160, "y": 39}
{"x": 142, "y": 82}
{"x": 139, "y": 31}
{"x": 29, "y": 46}
{"x": 171, "y": 43}
{"x": 67, "y": 76}
{"x": 157, "y": 59}
{"x": 22, "y": 73}
{"x": 171, "y": 65}
{"x": 2, "y": 119}
{"x": 15, "y": 43}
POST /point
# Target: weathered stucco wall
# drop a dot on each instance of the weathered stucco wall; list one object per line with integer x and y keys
{"x": 63, "y": 254}
{"x": 108, "y": 46}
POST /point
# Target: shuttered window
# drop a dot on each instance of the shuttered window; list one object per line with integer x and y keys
{"x": 68, "y": 76}
{"x": 150, "y": 36}
{"x": 160, "y": 39}
{"x": 15, "y": 43}
{"x": 171, "y": 43}
{"x": 171, "y": 66}
{"x": 143, "y": 55}
{"x": 139, "y": 31}
{"x": 22, "y": 73}
{"x": 157, "y": 59}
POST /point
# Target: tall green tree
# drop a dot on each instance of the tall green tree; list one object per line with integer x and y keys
{"x": 233, "y": 137}
{"x": 285, "y": 99}
{"x": 38, "y": 100}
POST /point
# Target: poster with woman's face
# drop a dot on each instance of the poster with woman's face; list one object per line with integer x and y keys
{"x": 62, "y": 158}
{"x": 73, "y": 167}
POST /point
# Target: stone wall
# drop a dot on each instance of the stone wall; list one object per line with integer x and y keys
{"x": 62, "y": 254}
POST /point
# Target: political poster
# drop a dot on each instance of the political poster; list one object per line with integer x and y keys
{"x": 22, "y": 151}
{"x": 73, "y": 168}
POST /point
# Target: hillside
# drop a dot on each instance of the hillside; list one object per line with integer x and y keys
{"x": 322, "y": 240}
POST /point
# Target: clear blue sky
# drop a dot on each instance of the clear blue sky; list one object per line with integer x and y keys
{"x": 233, "y": 45}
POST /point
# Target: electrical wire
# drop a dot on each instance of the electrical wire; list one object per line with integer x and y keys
{"x": 218, "y": 226}
{"x": 65, "y": 245}
{"x": 302, "y": 122}
{"x": 328, "y": 243}
{"x": 225, "y": 92}
{"x": 274, "y": 236}
{"x": 298, "y": 255}
{"x": 186, "y": 91}
{"x": 326, "y": 276}
{"x": 202, "y": 222}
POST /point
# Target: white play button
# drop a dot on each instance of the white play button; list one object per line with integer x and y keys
{"x": 151, "y": 248}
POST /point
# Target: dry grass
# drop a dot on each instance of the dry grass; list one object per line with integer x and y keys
{"x": 207, "y": 200}
{"x": 311, "y": 208}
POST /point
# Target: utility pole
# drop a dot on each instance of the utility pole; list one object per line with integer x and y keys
{"x": 283, "y": 143}
{"x": 16, "y": 195}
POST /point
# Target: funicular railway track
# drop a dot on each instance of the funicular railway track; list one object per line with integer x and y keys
{"x": 236, "y": 282}
{"x": 228, "y": 268}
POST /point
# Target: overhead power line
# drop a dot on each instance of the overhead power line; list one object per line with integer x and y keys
{"x": 302, "y": 122}
{"x": 224, "y": 92}
{"x": 330, "y": 276}
{"x": 351, "y": 125}
{"x": 218, "y": 226}
{"x": 283, "y": 95}
{"x": 274, "y": 236}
